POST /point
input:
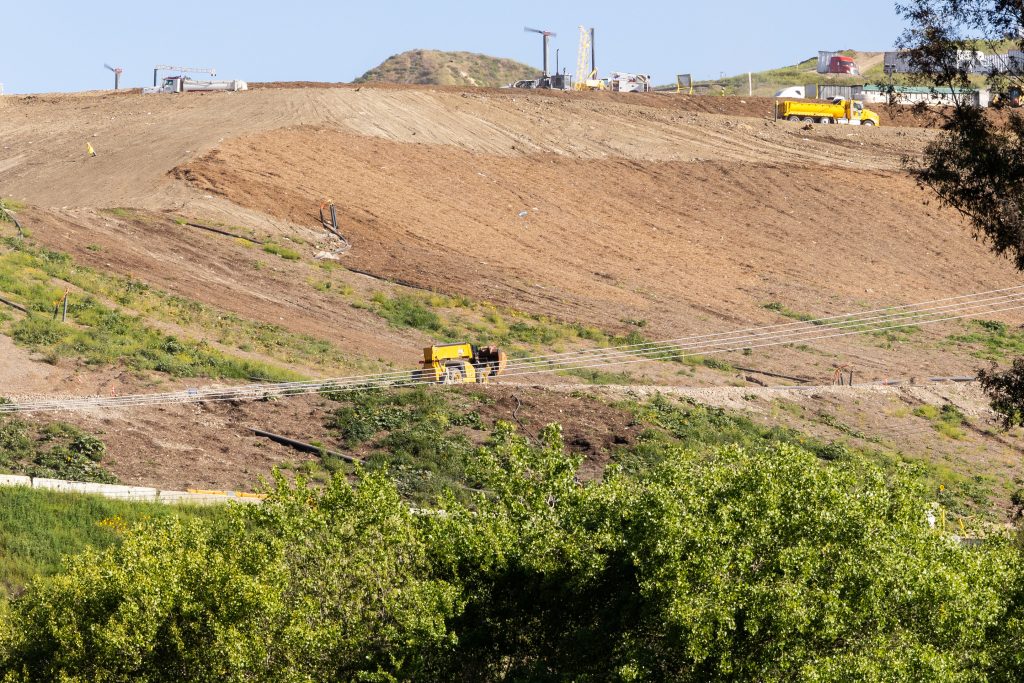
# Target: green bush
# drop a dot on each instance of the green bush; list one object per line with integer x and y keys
{"x": 739, "y": 564}
{"x": 407, "y": 311}
{"x": 56, "y": 450}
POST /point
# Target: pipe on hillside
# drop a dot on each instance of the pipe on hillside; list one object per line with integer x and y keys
{"x": 13, "y": 305}
{"x": 301, "y": 445}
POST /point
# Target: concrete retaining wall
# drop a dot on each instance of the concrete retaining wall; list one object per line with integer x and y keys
{"x": 139, "y": 493}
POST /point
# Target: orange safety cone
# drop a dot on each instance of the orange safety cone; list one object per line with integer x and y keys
{"x": 89, "y": 149}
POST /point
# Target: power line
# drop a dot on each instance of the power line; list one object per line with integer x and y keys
{"x": 771, "y": 335}
{"x": 285, "y": 389}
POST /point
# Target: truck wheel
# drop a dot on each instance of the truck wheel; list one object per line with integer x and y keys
{"x": 453, "y": 375}
{"x": 794, "y": 117}
{"x": 868, "y": 123}
{"x": 824, "y": 119}
{"x": 808, "y": 119}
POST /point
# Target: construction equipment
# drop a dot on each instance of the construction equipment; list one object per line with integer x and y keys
{"x": 461, "y": 363}
{"x": 181, "y": 69}
{"x": 839, "y": 110}
{"x": 586, "y": 72}
{"x": 186, "y": 84}
{"x": 1011, "y": 97}
{"x": 547, "y": 35}
{"x": 117, "y": 75}
{"x": 620, "y": 81}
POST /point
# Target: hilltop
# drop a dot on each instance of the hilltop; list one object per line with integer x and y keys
{"x": 434, "y": 67}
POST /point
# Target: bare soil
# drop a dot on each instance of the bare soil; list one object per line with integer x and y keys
{"x": 686, "y": 213}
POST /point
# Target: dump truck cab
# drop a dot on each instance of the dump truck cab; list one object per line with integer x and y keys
{"x": 461, "y": 363}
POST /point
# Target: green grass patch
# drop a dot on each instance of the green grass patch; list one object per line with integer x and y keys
{"x": 598, "y": 376}
{"x": 56, "y": 450}
{"x": 417, "y": 434}
{"x": 947, "y": 420}
{"x": 126, "y": 213}
{"x": 705, "y": 362}
{"x": 783, "y": 310}
{"x": 457, "y": 319}
{"x": 12, "y": 204}
{"x": 990, "y": 340}
{"x": 283, "y": 252}
{"x": 38, "y": 528}
{"x": 406, "y": 310}
{"x": 27, "y": 273}
{"x": 102, "y": 336}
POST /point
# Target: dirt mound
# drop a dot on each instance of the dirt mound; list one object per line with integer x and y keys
{"x": 433, "y": 67}
{"x": 682, "y": 246}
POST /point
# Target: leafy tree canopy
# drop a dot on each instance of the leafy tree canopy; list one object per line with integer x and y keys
{"x": 763, "y": 563}
{"x": 976, "y": 165}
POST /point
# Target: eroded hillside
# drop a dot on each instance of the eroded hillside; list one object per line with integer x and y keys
{"x": 545, "y": 222}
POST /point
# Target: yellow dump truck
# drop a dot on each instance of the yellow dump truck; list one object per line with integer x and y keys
{"x": 837, "y": 111}
{"x": 460, "y": 363}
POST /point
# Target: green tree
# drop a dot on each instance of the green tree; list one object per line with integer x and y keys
{"x": 763, "y": 563}
{"x": 976, "y": 165}
{"x": 745, "y": 564}
{"x": 310, "y": 586}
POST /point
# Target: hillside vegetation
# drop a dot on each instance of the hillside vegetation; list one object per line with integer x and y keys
{"x": 433, "y": 67}
{"x": 762, "y": 563}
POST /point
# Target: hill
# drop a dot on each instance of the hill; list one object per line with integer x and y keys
{"x": 767, "y": 82}
{"x": 433, "y": 67}
{"x": 541, "y": 222}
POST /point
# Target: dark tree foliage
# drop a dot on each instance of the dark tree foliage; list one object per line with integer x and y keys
{"x": 1006, "y": 389}
{"x": 976, "y": 165}
{"x": 940, "y": 32}
{"x": 977, "y": 168}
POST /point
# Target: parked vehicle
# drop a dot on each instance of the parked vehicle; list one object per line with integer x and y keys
{"x": 792, "y": 91}
{"x": 460, "y": 363}
{"x": 620, "y": 81}
{"x": 186, "y": 84}
{"x": 841, "y": 64}
{"x": 838, "y": 111}
{"x": 1011, "y": 97}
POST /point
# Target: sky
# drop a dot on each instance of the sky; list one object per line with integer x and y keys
{"x": 62, "y": 46}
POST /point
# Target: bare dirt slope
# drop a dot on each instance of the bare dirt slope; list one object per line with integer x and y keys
{"x": 686, "y": 213}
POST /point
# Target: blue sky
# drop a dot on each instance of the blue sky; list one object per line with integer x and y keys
{"x": 61, "y": 46}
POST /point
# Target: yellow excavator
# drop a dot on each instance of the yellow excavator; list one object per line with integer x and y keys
{"x": 460, "y": 364}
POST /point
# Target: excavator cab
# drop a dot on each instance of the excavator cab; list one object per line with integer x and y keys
{"x": 461, "y": 363}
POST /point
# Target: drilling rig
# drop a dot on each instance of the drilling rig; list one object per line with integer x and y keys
{"x": 586, "y": 75}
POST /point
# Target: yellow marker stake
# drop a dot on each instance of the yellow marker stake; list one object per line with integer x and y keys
{"x": 88, "y": 148}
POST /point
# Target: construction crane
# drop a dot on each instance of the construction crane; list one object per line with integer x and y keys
{"x": 117, "y": 75}
{"x": 586, "y": 77}
{"x": 547, "y": 35}
{"x": 182, "y": 69}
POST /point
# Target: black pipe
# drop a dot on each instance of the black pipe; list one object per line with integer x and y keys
{"x": 222, "y": 232}
{"x": 13, "y": 305}
{"x": 302, "y": 446}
